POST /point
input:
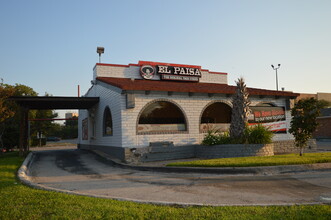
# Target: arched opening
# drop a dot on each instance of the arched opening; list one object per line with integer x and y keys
{"x": 216, "y": 116}
{"x": 107, "y": 122}
{"x": 163, "y": 117}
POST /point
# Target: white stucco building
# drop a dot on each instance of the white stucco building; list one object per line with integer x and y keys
{"x": 161, "y": 102}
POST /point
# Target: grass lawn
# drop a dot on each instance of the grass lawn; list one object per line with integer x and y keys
{"x": 288, "y": 159}
{"x": 18, "y": 201}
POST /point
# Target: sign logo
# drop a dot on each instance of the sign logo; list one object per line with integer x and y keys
{"x": 147, "y": 72}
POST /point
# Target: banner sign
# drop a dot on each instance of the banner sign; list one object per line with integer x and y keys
{"x": 269, "y": 116}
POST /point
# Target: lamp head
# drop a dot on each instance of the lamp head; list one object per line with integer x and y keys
{"x": 100, "y": 50}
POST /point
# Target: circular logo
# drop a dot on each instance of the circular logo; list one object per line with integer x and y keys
{"x": 147, "y": 71}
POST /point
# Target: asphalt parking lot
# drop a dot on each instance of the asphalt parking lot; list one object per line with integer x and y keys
{"x": 82, "y": 172}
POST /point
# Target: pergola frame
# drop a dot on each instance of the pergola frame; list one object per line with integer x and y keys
{"x": 43, "y": 103}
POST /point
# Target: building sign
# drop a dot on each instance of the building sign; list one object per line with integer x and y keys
{"x": 171, "y": 73}
{"x": 179, "y": 73}
{"x": 179, "y": 78}
{"x": 269, "y": 116}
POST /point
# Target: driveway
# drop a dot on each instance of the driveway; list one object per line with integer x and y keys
{"x": 82, "y": 172}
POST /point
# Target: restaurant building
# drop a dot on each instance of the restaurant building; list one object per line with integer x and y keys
{"x": 152, "y": 102}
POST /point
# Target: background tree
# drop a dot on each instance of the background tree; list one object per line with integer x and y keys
{"x": 5, "y": 108}
{"x": 43, "y": 126}
{"x": 10, "y": 115}
{"x": 70, "y": 129}
{"x": 10, "y": 125}
{"x": 303, "y": 123}
{"x": 240, "y": 110}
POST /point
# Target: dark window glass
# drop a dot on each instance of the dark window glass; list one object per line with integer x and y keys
{"x": 161, "y": 116}
{"x": 107, "y": 122}
{"x": 217, "y": 112}
{"x": 162, "y": 113}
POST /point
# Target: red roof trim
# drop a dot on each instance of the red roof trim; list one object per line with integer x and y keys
{"x": 167, "y": 64}
{"x": 217, "y": 73}
{"x": 171, "y": 86}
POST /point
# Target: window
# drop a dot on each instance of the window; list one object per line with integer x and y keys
{"x": 216, "y": 116}
{"x": 107, "y": 123}
{"x": 161, "y": 116}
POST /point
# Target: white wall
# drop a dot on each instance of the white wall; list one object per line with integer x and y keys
{"x": 109, "y": 96}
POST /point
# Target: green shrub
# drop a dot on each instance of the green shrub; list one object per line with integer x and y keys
{"x": 258, "y": 134}
{"x": 211, "y": 138}
{"x": 252, "y": 135}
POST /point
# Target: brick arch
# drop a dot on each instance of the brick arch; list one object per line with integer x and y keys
{"x": 164, "y": 100}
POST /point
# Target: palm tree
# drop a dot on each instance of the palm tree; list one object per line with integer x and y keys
{"x": 240, "y": 110}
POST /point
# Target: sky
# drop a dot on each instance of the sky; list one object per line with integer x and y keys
{"x": 51, "y": 45}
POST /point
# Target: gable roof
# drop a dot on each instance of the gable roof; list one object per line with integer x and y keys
{"x": 171, "y": 86}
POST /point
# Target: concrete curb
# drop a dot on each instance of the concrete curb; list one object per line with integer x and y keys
{"x": 23, "y": 175}
{"x": 267, "y": 170}
{"x": 23, "y": 171}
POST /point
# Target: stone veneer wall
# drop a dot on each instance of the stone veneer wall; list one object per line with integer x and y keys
{"x": 159, "y": 151}
{"x": 288, "y": 146}
{"x": 234, "y": 150}
{"x": 167, "y": 151}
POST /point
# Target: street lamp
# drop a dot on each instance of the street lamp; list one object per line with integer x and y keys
{"x": 100, "y": 50}
{"x": 276, "y": 68}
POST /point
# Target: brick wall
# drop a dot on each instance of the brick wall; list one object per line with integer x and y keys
{"x": 160, "y": 151}
{"x": 109, "y": 96}
{"x": 234, "y": 150}
{"x": 288, "y": 146}
{"x": 324, "y": 128}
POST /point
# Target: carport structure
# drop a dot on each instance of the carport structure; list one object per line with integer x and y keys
{"x": 43, "y": 103}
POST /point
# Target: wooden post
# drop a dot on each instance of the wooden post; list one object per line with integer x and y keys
{"x": 21, "y": 131}
{"x": 26, "y": 130}
{"x": 23, "y": 146}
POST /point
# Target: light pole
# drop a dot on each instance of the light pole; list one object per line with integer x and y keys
{"x": 276, "y": 68}
{"x": 100, "y": 50}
